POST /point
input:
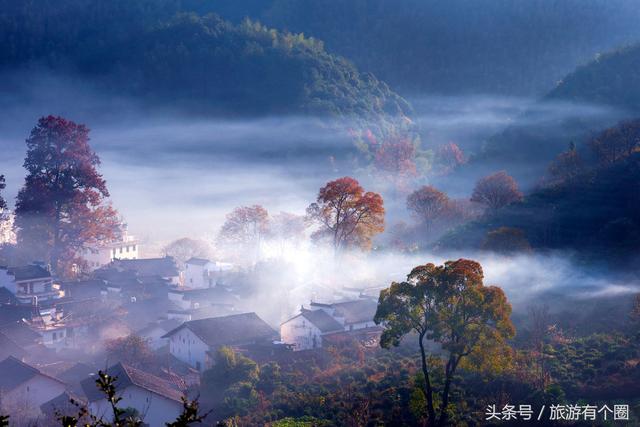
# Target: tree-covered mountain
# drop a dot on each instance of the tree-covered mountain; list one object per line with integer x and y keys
{"x": 612, "y": 79}
{"x": 594, "y": 96}
{"x": 460, "y": 46}
{"x": 150, "y": 49}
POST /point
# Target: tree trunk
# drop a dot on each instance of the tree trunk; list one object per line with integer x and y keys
{"x": 450, "y": 369}
{"x": 427, "y": 383}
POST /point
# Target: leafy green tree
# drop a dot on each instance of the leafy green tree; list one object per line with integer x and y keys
{"x": 230, "y": 368}
{"x": 450, "y": 305}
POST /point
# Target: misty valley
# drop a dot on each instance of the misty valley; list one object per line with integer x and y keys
{"x": 315, "y": 213}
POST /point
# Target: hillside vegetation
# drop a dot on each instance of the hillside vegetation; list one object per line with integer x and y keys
{"x": 154, "y": 51}
{"x": 596, "y": 213}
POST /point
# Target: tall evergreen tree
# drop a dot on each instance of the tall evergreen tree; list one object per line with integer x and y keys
{"x": 62, "y": 206}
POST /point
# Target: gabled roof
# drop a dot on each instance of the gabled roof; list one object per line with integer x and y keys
{"x": 15, "y": 372}
{"x": 127, "y": 376}
{"x": 198, "y": 261}
{"x": 62, "y": 404}
{"x": 164, "y": 267}
{"x": 229, "y": 330}
{"x": 76, "y": 373}
{"x": 322, "y": 320}
{"x": 29, "y": 272}
{"x": 357, "y": 311}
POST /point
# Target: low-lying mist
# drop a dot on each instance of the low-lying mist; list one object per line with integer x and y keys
{"x": 171, "y": 175}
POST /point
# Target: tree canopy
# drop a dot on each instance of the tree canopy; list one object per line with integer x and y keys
{"x": 448, "y": 305}
{"x": 62, "y": 206}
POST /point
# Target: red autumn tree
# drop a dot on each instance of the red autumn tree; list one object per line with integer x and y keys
{"x": 62, "y": 205}
{"x": 448, "y": 157}
{"x": 617, "y": 142}
{"x": 348, "y": 216}
{"x": 428, "y": 205}
{"x": 244, "y": 230}
{"x": 495, "y": 191}
{"x": 396, "y": 156}
{"x": 393, "y": 156}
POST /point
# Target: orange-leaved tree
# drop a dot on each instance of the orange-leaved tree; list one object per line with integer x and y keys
{"x": 347, "y": 215}
{"x": 495, "y": 191}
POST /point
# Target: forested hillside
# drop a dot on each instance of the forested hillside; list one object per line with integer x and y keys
{"x": 508, "y": 47}
{"x": 611, "y": 79}
{"x": 595, "y": 212}
{"x": 153, "y": 51}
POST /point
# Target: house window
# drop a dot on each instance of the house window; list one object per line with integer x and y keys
{"x": 55, "y": 336}
{"x": 198, "y": 366}
{"x": 134, "y": 247}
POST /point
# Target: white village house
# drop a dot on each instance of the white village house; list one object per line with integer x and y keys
{"x": 24, "y": 388}
{"x": 309, "y": 329}
{"x": 305, "y": 331}
{"x": 156, "y": 400}
{"x": 196, "y": 342}
{"x": 201, "y": 273}
{"x": 31, "y": 284}
{"x": 97, "y": 256}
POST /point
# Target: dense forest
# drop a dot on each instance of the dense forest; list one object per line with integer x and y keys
{"x": 507, "y": 47}
{"x": 153, "y": 51}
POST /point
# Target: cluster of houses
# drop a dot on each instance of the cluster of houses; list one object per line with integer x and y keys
{"x": 52, "y": 332}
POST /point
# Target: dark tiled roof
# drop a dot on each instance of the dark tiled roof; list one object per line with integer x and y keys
{"x": 76, "y": 373}
{"x": 126, "y": 376}
{"x": 198, "y": 261}
{"x": 14, "y": 372}
{"x": 9, "y": 347}
{"x": 215, "y": 295}
{"x": 83, "y": 288}
{"x": 29, "y": 272}
{"x": 113, "y": 277}
{"x": 165, "y": 267}
{"x": 322, "y": 320}
{"x": 20, "y": 333}
{"x": 229, "y": 330}
{"x": 62, "y": 404}
{"x": 356, "y": 311}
